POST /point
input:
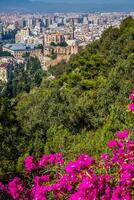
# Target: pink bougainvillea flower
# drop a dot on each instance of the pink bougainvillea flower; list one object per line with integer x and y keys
{"x": 122, "y": 135}
{"x": 29, "y": 163}
{"x": 131, "y": 107}
{"x": 132, "y": 95}
{"x": 43, "y": 161}
{"x": 112, "y": 143}
{"x": 2, "y": 187}
{"x": 16, "y": 189}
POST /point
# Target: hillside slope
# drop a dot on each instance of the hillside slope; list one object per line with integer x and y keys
{"x": 80, "y": 109}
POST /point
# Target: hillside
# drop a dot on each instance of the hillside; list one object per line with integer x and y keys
{"x": 78, "y": 111}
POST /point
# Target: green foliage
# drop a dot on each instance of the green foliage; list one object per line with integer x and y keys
{"x": 53, "y": 44}
{"x": 10, "y": 134}
{"x": 24, "y": 77}
{"x": 4, "y": 53}
{"x": 53, "y": 55}
{"x": 62, "y": 44}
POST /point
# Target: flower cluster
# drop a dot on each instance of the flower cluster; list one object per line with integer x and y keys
{"x": 2, "y": 187}
{"x": 131, "y": 106}
{"x": 109, "y": 178}
{"x": 30, "y": 164}
{"x": 15, "y": 188}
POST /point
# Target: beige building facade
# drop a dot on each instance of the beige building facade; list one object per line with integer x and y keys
{"x": 5, "y": 68}
{"x": 18, "y": 50}
{"x": 53, "y": 38}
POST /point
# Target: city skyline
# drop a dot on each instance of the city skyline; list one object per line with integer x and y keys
{"x": 66, "y": 6}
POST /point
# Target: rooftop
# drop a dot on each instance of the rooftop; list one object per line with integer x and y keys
{"x": 20, "y": 47}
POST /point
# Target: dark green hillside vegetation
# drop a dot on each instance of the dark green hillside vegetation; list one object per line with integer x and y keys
{"x": 78, "y": 111}
{"x": 23, "y": 78}
{"x": 4, "y": 53}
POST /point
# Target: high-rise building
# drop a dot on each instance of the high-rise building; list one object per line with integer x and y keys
{"x": 95, "y": 20}
{"x": 85, "y": 20}
{"x": 1, "y": 31}
{"x": 73, "y": 29}
{"x": 19, "y": 23}
{"x": 31, "y": 22}
{"x": 24, "y": 23}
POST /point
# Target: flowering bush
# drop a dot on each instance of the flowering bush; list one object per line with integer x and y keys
{"x": 131, "y": 106}
{"x": 109, "y": 178}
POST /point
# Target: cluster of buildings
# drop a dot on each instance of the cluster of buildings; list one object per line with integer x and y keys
{"x": 25, "y": 35}
{"x": 54, "y": 37}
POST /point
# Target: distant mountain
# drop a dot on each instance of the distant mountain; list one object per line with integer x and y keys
{"x": 10, "y": 2}
{"x": 66, "y": 6}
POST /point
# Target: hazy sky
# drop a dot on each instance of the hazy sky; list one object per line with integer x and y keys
{"x": 64, "y": 5}
{"x": 76, "y": 1}
{"x": 87, "y": 1}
